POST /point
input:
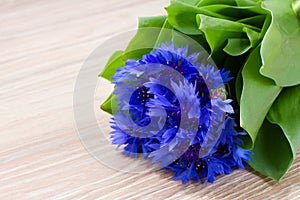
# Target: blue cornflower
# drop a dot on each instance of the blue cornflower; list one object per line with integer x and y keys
{"x": 181, "y": 123}
{"x": 227, "y": 155}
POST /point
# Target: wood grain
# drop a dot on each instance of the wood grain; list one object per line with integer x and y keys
{"x": 43, "y": 45}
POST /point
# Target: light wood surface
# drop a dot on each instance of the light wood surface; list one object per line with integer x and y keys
{"x": 43, "y": 45}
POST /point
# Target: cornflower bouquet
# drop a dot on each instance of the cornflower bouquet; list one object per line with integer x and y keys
{"x": 211, "y": 87}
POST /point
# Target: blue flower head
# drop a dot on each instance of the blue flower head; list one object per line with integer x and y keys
{"x": 174, "y": 110}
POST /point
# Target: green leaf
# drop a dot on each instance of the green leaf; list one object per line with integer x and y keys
{"x": 285, "y": 112}
{"x": 146, "y": 36}
{"x": 155, "y": 21}
{"x": 110, "y": 104}
{"x": 216, "y": 2}
{"x": 296, "y": 8}
{"x": 217, "y": 31}
{"x": 257, "y": 20}
{"x": 246, "y": 2}
{"x": 239, "y": 86}
{"x": 182, "y": 16}
{"x": 138, "y": 45}
{"x": 258, "y": 95}
{"x": 234, "y": 38}
{"x": 253, "y": 36}
{"x": 272, "y": 155}
{"x": 142, "y": 43}
{"x": 164, "y": 35}
{"x": 149, "y": 29}
{"x": 237, "y": 46}
{"x": 233, "y": 13}
{"x": 280, "y": 47}
{"x": 115, "y": 61}
{"x": 278, "y": 139}
{"x": 190, "y": 2}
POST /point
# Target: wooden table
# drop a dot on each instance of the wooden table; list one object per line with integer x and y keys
{"x": 43, "y": 46}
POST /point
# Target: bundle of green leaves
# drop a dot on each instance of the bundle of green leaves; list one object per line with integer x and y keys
{"x": 259, "y": 42}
